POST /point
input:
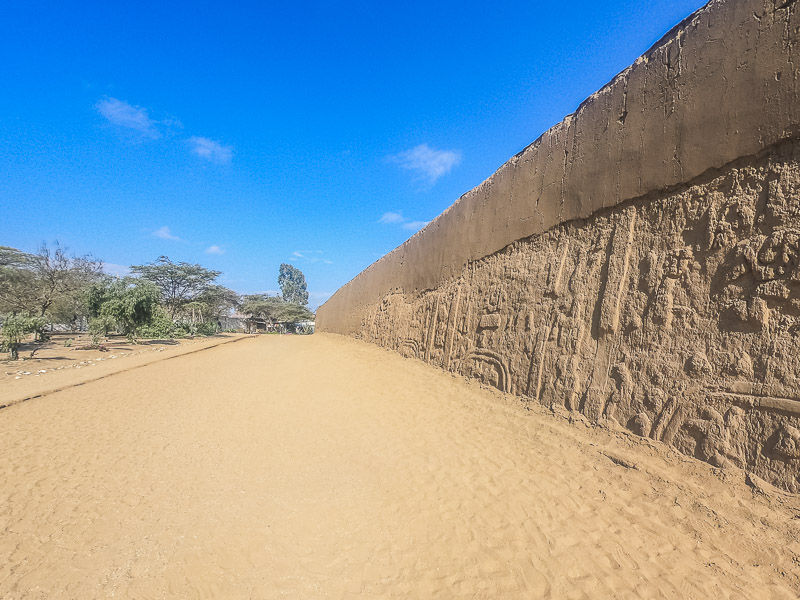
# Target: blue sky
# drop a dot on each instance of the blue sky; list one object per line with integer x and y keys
{"x": 241, "y": 135}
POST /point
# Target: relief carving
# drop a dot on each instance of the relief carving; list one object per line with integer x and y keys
{"x": 788, "y": 442}
{"x": 676, "y": 317}
{"x": 488, "y": 367}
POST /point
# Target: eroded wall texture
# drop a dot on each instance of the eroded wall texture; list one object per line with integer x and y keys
{"x": 640, "y": 261}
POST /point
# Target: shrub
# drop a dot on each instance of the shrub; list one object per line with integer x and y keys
{"x": 100, "y": 326}
{"x": 37, "y": 325}
{"x": 14, "y": 331}
{"x": 207, "y": 328}
{"x": 160, "y": 327}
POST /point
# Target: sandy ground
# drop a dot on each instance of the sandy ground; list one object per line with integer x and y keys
{"x": 321, "y": 467}
{"x": 54, "y": 366}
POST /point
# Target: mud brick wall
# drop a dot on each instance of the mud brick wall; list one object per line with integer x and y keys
{"x": 639, "y": 262}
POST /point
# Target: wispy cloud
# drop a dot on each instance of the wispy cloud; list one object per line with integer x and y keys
{"x": 135, "y": 120}
{"x": 128, "y": 116}
{"x": 391, "y": 217}
{"x": 415, "y": 225}
{"x": 309, "y": 257}
{"x": 211, "y": 150}
{"x": 215, "y": 250}
{"x": 165, "y": 234}
{"x": 397, "y": 218}
{"x": 429, "y": 164}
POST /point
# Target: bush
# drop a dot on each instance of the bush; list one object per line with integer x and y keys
{"x": 100, "y": 326}
{"x": 160, "y": 327}
{"x": 183, "y": 330}
{"x": 37, "y": 325}
{"x": 207, "y": 328}
{"x": 14, "y": 331}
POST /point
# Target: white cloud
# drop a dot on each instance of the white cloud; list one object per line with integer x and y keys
{"x": 397, "y": 218}
{"x": 415, "y": 225}
{"x": 428, "y": 163}
{"x": 309, "y": 257}
{"x": 211, "y": 150}
{"x": 165, "y": 234}
{"x": 391, "y": 217}
{"x": 125, "y": 115}
{"x": 215, "y": 250}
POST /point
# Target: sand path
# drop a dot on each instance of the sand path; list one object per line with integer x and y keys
{"x": 305, "y": 467}
{"x": 23, "y": 380}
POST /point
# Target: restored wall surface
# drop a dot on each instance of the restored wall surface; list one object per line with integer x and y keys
{"x": 639, "y": 262}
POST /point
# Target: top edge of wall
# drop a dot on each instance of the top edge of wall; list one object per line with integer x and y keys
{"x": 720, "y": 85}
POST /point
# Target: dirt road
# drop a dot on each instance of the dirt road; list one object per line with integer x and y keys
{"x": 311, "y": 467}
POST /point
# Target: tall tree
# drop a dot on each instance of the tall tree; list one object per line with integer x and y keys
{"x": 179, "y": 283}
{"x": 293, "y": 285}
{"x": 34, "y": 283}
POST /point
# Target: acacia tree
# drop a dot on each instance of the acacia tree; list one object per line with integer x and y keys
{"x": 11, "y": 257}
{"x": 17, "y": 281}
{"x": 262, "y": 306}
{"x": 178, "y": 283}
{"x": 36, "y": 283}
{"x": 216, "y": 301}
{"x": 293, "y": 285}
{"x": 274, "y": 308}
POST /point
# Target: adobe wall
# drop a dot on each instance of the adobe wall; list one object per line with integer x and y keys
{"x": 640, "y": 261}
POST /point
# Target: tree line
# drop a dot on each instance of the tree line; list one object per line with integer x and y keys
{"x": 161, "y": 299}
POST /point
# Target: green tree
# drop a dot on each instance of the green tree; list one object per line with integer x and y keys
{"x": 44, "y": 283}
{"x": 128, "y": 302}
{"x": 292, "y": 313}
{"x": 11, "y": 257}
{"x": 262, "y": 306}
{"x": 274, "y": 309}
{"x": 212, "y": 303}
{"x": 293, "y": 285}
{"x": 178, "y": 283}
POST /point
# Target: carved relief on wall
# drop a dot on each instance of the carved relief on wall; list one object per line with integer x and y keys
{"x": 676, "y": 317}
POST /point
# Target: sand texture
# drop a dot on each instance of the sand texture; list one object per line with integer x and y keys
{"x": 55, "y": 367}
{"x": 311, "y": 467}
